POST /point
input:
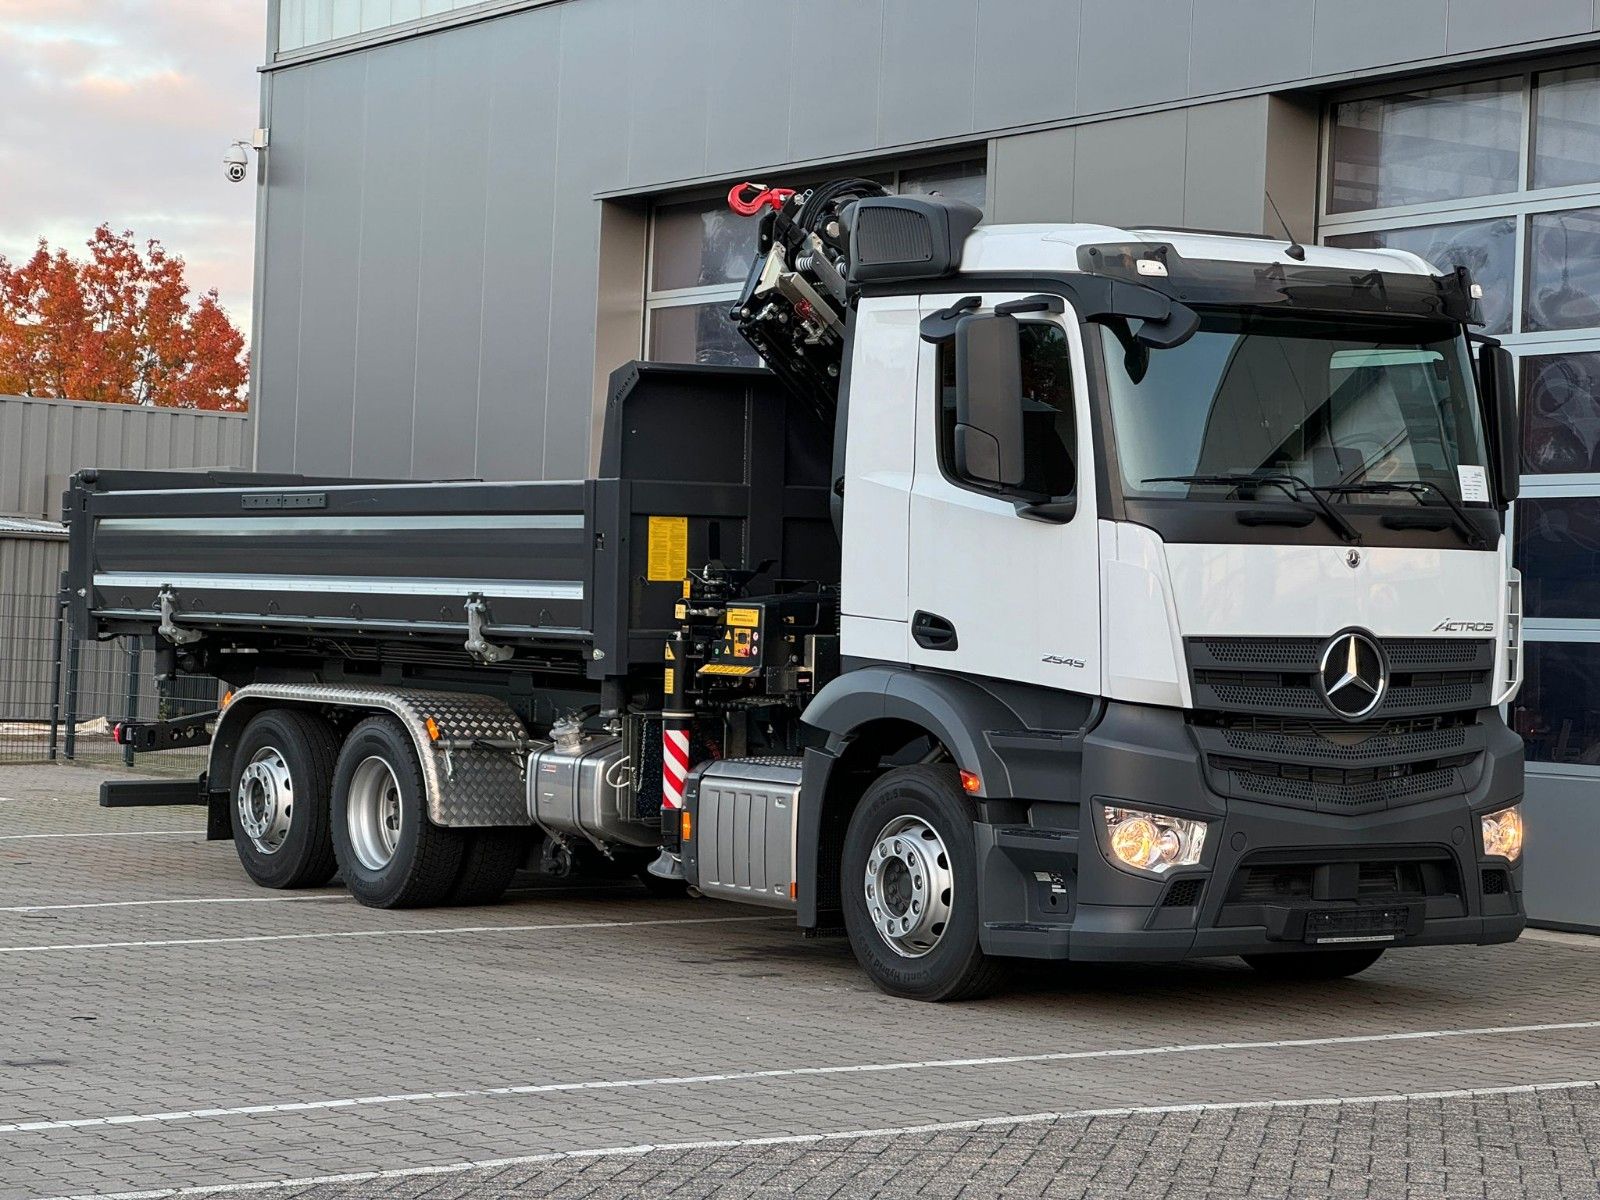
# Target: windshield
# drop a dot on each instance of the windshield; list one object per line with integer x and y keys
{"x": 1331, "y": 401}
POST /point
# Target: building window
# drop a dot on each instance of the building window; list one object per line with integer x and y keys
{"x": 1502, "y": 175}
{"x": 304, "y": 23}
{"x": 700, "y": 252}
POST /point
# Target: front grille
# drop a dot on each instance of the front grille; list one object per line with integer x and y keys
{"x": 1266, "y": 734}
{"x": 1278, "y": 675}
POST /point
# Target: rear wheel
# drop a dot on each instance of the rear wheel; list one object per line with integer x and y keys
{"x": 1314, "y": 964}
{"x": 488, "y": 862}
{"x": 284, "y": 765}
{"x": 910, "y": 888}
{"x": 390, "y": 854}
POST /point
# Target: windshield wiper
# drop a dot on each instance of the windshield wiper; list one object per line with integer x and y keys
{"x": 1417, "y": 489}
{"x": 1291, "y": 484}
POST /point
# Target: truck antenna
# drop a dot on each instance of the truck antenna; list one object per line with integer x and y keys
{"x": 1295, "y": 251}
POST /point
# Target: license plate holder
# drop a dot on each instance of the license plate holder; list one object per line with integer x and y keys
{"x": 1357, "y": 926}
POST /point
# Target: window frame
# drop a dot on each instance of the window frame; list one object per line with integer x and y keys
{"x": 1521, "y": 206}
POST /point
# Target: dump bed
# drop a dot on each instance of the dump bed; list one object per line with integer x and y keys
{"x": 698, "y": 463}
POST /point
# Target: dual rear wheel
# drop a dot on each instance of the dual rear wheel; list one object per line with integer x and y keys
{"x": 305, "y": 807}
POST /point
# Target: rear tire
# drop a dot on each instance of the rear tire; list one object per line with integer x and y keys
{"x": 1312, "y": 965}
{"x": 910, "y": 888}
{"x": 490, "y": 859}
{"x": 390, "y": 854}
{"x": 279, "y": 802}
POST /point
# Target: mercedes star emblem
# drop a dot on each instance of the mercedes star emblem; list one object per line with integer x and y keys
{"x": 1352, "y": 675}
{"x": 1352, "y": 558}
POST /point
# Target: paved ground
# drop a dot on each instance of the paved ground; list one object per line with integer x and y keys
{"x": 164, "y": 1025}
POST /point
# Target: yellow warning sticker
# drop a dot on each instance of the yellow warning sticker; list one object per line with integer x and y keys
{"x": 669, "y": 683}
{"x": 726, "y": 669}
{"x": 669, "y": 549}
{"x": 670, "y": 654}
{"x": 743, "y": 618}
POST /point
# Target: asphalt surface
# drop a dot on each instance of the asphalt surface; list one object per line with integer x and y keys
{"x": 166, "y": 1025}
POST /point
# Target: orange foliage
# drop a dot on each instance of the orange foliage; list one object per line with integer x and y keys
{"x": 120, "y": 326}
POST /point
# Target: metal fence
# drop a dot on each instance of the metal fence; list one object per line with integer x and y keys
{"x": 60, "y": 698}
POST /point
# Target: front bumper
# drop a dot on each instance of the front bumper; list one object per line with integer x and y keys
{"x": 1272, "y": 878}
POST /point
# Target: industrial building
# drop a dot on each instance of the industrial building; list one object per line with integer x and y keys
{"x": 469, "y": 213}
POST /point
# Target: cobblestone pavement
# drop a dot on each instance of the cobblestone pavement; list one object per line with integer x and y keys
{"x": 165, "y": 1025}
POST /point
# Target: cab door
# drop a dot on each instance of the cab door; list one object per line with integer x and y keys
{"x": 992, "y": 592}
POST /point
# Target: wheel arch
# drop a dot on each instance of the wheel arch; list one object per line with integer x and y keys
{"x": 468, "y": 785}
{"x": 868, "y": 714}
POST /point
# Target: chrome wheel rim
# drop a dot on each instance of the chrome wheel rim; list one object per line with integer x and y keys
{"x": 373, "y": 813}
{"x": 909, "y": 886}
{"x": 265, "y": 800}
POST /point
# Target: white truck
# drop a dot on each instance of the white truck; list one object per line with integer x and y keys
{"x": 1054, "y": 591}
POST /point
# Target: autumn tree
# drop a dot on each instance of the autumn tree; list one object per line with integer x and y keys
{"x": 120, "y": 326}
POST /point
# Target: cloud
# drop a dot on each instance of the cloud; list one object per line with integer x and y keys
{"x": 119, "y": 111}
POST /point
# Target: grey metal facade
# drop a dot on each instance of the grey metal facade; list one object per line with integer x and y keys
{"x": 435, "y": 192}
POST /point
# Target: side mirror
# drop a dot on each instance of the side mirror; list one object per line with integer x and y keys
{"x": 988, "y": 441}
{"x": 1498, "y": 391}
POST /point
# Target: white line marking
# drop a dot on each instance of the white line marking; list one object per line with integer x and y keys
{"x": 532, "y": 1089}
{"x": 803, "y": 1139}
{"x": 23, "y": 837}
{"x": 32, "y": 908}
{"x": 371, "y": 933}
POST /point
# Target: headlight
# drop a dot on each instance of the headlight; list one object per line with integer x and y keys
{"x": 1502, "y": 833}
{"x": 1152, "y": 842}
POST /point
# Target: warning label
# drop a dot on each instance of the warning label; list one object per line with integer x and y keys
{"x": 669, "y": 549}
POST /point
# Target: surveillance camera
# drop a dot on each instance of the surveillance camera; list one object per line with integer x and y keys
{"x": 237, "y": 162}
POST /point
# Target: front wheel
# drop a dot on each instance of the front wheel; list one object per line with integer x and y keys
{"x": 1314, "y": 964}
{"x": 390, "y": 854}
{"x": 910, "y": 887}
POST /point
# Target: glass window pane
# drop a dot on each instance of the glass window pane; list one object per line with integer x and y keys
{"x": 1558, "y": 552}
{"x": 698, "y": 333}
{"x": 1558, "y": 710}
{"x": 1425, "y": 146}
{"x": 701, "y": 243}
{"x": 1486, "y": 248}
{"x": 958, "y": 181}
{"x": 1563, "y": 270}
{"x": 1566, "y": 127}
{"x": 1561, "y": 413}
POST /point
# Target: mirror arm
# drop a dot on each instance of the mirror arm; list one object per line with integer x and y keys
{"x": 1057, "y": 510}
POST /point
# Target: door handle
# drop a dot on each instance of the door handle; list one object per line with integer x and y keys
{"x": 933, "y": 632}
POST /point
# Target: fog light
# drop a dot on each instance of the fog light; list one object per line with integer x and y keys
{"x": 1150, "y": 841}
{"x": 1502, "y": 833}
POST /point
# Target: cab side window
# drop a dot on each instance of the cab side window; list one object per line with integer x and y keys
{"x": 1049, "y": 430}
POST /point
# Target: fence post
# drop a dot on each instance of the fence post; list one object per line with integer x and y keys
{"x": 132, "y": 709}
{"x": 55, "y": 666}
{"x": 73, "y": 663}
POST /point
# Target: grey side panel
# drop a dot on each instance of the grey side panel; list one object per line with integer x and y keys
{"x": 1130, "y": 171}
{"x": 1033, "y": 176}
{"x": 1133, "y": 53}
{"x": 396, "y": 118}
{"x": 743, "y": 845}
{"x": 1224, "y": 165}
{"x": 927, "y": 88}
{"x": 275, "y": 362}
{"x": 330, "y": 265}
{"x": 842, "y": 81}
{"x": 1027, "y": 67}
{"x": 1248, "y": 43}
{"x": 1480, "y": 24}
{"x": 667, "y": 124}
{"x": 1355, "y": 34}
{"x": 1559, "y": 881}
{"x": 467, "y": 786}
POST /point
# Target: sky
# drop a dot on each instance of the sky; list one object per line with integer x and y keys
{"x": 119, "y": 111}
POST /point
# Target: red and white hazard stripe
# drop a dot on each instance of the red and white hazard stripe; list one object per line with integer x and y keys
{"x": 674, "y": 766}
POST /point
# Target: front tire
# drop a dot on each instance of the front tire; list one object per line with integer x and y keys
{"x": 1314, "y": 965}
{"x": 279, "y": 808}
{"x": 390, "y": 854}
{"x": 910, "y": 888}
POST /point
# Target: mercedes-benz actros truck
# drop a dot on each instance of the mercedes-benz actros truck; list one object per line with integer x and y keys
{"x": 1052, "y": 592}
